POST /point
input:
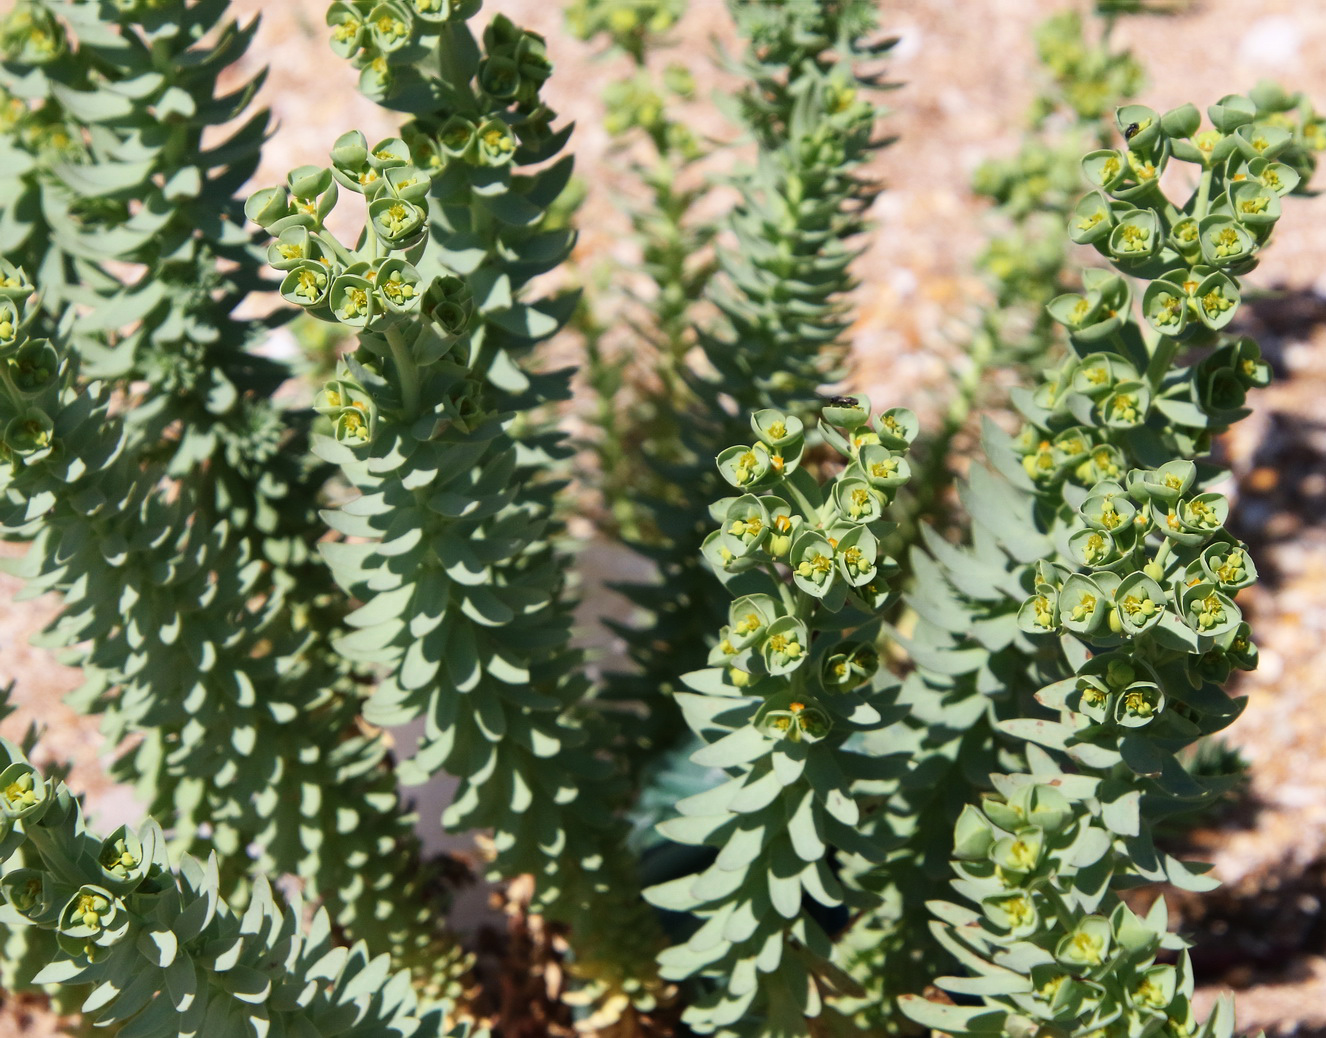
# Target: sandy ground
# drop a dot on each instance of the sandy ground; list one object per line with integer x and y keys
{"x": 967, "y": 74}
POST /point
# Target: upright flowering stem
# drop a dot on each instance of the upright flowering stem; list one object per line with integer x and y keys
{"x": 1135, "y": 577}
{"x": 973, "y": 666}
{"x": 793, "y": 683}
{"x": 453, "y": 554}
{"x": 807, "y": 103}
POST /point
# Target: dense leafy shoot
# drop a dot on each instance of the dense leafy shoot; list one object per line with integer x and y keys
{"x": 834, "y": 718}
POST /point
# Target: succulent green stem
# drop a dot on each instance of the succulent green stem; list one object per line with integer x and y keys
{"x": 799, "y": 497}
{"x": 406, "y": 368}
{"x": 1203, "y": 194}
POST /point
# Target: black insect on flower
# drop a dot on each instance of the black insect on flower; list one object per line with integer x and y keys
{"x": 843, "y": 401}
{"x": 1131, "y": 132}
